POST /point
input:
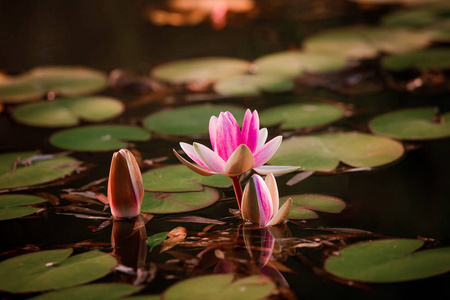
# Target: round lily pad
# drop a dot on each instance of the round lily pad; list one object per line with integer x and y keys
{"x": 99, "y": 291}
{"x": 412, "y": 124}
{"x": 391, "y": 260}
{"x": 304, "y": 206}
{"x": 367, "y": 42}
{"x": 205, "y": 69}
{"x": 221, "y": 286}
{"x": 63, "y": 80}
{"x": 252, "y": 85}
{"x": 167, "y": 203}
{"x": 323, "y": 152}
{"x": 68, "y": 111}
{"x": 301, "y": 115}
{"x": 98, "y": 137}
{"x": 19, "y": 89}
{"x": 38, "y": 172}
{"x": 14, "y": 206}
{"x": 188, "y": 120}
{"x": 428, "y": 59}
{"x": 178, "y": 178}
{"x": 294, "y": 63}
{"x": 53, "y": 269}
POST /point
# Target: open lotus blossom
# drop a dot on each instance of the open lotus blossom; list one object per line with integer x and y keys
{"x": 234, "y": 151}
{"x": 260, "y": 202}
{"x": 125, "y": 188}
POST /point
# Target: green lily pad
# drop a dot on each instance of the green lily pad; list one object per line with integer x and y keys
{"x": 63, "y": 80}
{"x": 205, "y": 69}
{"x": 53, "y": 269}
{"x": 301, "y": 115}
{"x": 304, "y": 206}
{"x": 412, "y": 124}
{"x": 98, "y": 291}
{"x": 98, "y": 137}
{"x": 188, "y": 120}
{"x": 156, "y": 239}
{"x": 252, "y": 85}
{"x": 37, "y": 173}
{"x": 293, "y": 63}
{"x": 14, "y": 206}
{"x": 367, "y": 42}
{"x": 323, "y": 152}
{"x": 178, "y": 178}
{"x": 221, "y": 286}
{"x": 167, "y": 203}
{"x": 385, "y": 261}
{"x": 428, "y": 59}
{"x": 68, "y": 111}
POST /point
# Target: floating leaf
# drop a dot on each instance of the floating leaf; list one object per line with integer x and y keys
{"x": 63, "y": 80}
{"x": 252, "y": 85}
{"x": 156, "y": 239}
{"x": 303, "y": 206}
{"x": 388, "y": 261}
{"x": 301, "y": 115}
{"x": 428, "y": 59}
{"x": 98, "y": 137}
{"x": 188, "y": 120}
{"x": 205, "y": 69}
{"x": 293, "y": 63}
{"x": 221, "y": 286}
{"x": 98, "y": 291}
{"x": 37, "y": 173}
{"x": 13, "y": 206}
{"x": 323, "y": 152}
{"x": 178, "y": 178}
{"x": 412, "y": 124}
{"x": 166, "y": 203}
{"x": 68, "y": 111}
{"x": 367, "y": 42}
{"x": 53, "y": 269}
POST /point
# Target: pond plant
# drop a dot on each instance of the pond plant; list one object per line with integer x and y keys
{"x": 338, "y": 168}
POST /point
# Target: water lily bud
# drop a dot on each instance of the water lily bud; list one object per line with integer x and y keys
{"x": 125, "y": 188}
{"x": 260, "y": 202}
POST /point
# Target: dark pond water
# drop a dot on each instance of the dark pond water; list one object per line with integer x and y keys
{"x": 407, "y": 199}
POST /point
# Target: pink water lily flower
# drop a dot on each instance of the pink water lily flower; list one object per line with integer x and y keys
{"x": 260, "y": 202}
{"x": 125, "y": 188}
{"x": 234, "y": 151}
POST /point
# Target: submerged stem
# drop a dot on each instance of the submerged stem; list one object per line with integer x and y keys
{"x": 237, "y": 190}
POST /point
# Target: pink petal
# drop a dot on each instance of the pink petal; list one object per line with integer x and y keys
{"x": 250, "y": 129}
{"x": 228, "y": 135}
{"x": 264, "y": 200}
{"x": 209, "y": 158}
{"x": 267, "y": 151}
{"x": 213, "y": 131}
{"x": 271, "y": 184}
{"x": 190, "y": 151}
{"x": 191, "y": 166}
{"x": 262, "y": 138}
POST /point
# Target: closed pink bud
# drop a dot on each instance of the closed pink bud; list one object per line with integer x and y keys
{"x": 125, "y": 188}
